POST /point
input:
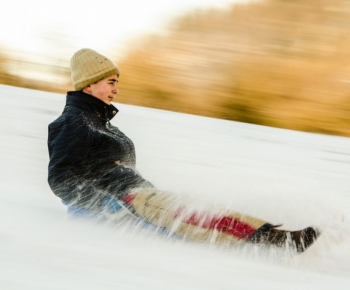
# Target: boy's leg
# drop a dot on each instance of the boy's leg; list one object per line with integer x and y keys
{"x": 166, "y": 210}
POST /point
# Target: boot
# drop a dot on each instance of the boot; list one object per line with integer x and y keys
{"x": 297, "y": 240}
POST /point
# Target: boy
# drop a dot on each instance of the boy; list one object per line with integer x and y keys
{"x": 93, "y": 170}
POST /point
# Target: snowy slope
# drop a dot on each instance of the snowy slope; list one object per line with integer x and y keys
{"x": 288, "y": 177}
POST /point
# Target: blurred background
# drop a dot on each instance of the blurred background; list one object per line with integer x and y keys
{"x": 280, "y": 63}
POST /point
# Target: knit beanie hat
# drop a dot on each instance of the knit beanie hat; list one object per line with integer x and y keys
{"x": 88, "y": 67}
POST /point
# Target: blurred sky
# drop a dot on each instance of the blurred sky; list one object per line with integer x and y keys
{"x": 30, "y": 26}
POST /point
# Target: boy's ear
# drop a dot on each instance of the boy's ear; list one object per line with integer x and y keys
{"x": 87, "y": 89}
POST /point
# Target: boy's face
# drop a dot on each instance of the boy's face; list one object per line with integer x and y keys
{"x": 105, "y": 89}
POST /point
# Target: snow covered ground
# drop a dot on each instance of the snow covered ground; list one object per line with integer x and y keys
{"x": 283, "y": 176}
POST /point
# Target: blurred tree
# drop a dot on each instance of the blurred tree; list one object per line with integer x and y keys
{"x": 5, "y": 76}
{"x": 40, "y": 70}
{"x": 283, "y": 63}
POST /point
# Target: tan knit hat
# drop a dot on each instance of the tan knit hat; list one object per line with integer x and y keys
{"x": 88, "y": 66}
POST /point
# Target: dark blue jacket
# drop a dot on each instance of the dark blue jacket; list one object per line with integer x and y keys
{"x": 89, "y": 158}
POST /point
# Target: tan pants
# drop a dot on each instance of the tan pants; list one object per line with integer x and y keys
{"x": 168, "y": 211}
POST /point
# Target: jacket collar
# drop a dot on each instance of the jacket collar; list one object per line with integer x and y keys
{"x": 89, "y": 103}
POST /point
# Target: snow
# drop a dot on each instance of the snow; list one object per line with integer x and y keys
{"x": 295, "y": 178}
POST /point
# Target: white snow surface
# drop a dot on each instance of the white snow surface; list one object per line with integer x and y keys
{"x": 283, "y": 176}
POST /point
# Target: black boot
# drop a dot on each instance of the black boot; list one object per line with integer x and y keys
{"x": 297, "y": 240}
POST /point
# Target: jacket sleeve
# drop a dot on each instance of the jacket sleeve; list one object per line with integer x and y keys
{"x": 68, "y": 143}
{"x": 119, "y": 180}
